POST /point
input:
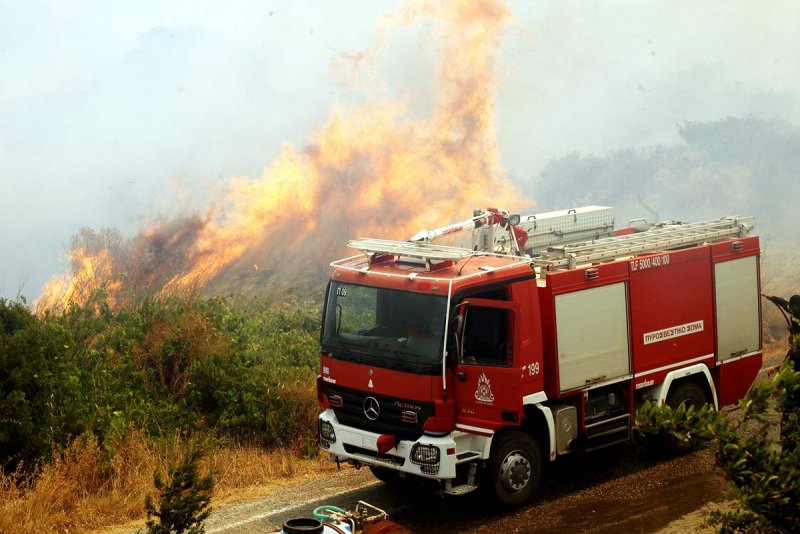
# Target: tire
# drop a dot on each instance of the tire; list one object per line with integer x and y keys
{"x": 514, "y": 470}
{"x": 386, "y": 475}
{"x": 688, "y": 393}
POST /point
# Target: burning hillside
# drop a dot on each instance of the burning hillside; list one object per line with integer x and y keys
{"x": 371, "y": 170}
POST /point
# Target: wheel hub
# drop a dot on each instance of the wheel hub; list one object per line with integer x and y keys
{"x": 515, "y": 471}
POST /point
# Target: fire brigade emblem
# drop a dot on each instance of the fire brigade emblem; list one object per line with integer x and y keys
{"x": 484, "y": 391}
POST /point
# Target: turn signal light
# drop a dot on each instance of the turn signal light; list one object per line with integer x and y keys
{"x": 322, "y": 397}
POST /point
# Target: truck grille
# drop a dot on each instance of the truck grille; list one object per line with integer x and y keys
{"x": 395, "y": 414}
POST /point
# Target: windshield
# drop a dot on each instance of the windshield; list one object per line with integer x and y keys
{"x": 385, "y": 325}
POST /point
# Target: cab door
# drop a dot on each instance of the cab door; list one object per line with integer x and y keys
{"x": 487, "y": 375}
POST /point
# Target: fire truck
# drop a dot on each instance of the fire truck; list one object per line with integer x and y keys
{"x": 477, "y": 368}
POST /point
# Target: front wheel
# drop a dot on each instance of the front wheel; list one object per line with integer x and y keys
{"x": 515, "y": 468}
{"x": 386, "y": 475}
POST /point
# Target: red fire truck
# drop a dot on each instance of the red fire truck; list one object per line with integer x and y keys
{"x": 475, "y": 368}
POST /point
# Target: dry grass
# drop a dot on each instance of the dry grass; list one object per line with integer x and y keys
{"x": 80, "y": 491}
{"x": 242, "y": 473}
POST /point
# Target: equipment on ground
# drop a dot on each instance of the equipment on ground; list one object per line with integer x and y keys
{"x": 364, "y": 519}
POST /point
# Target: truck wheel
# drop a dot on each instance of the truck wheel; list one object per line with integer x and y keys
{"x": 388, "y": 476}
{"x": 688, "y": 393}
{"x": 515, "y": 468}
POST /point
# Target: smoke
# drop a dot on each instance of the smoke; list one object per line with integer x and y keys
{"x": 374, "y": 169}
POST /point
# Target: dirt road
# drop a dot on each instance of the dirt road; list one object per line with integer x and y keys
{"x": 610, "y": 491}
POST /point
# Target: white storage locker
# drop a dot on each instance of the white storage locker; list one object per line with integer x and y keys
{"x": 736, "y": 287}
{"x": 592, "y": 335}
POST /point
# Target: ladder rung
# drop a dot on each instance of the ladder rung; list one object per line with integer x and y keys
{"x": 660, "y": 238}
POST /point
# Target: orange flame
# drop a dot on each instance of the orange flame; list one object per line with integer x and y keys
{"x": 371, "y": 170}
{"x": 87, "y": 274}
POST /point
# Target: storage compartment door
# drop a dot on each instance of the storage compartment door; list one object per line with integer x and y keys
{"x": 736, "y": 286}
{"x": 592, "y": 330}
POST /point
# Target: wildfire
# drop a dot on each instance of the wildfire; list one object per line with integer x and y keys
{"x": 87, "y": 273}
{"x": 370, "y": 171}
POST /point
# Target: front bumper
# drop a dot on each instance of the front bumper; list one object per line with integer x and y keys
{"x": 361, "y": 446}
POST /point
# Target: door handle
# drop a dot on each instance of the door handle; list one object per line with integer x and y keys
{"x": 461, "y": 375}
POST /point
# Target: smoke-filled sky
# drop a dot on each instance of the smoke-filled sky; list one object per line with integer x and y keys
{"x": 114, "y": 113}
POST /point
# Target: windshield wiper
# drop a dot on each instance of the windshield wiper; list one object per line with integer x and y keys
{"x": 341, "y": 347}
{"x": 399, "y": 366}
{"x": 401, "y": 354}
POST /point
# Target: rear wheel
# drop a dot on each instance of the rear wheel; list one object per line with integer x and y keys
{"x": 688, "y": 393}
{"x": 514, "y": 469}
{"x": 685, "y": 394}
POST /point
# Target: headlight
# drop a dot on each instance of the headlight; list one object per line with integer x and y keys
{"x": 326, "y": 434}
{"x": 427, "y": 457}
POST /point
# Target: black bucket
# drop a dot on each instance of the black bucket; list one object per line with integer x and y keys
{"x": 303, "y": 525}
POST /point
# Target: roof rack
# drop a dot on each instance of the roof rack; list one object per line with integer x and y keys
{"x": 428, "y": 252}
{"x": 663, "y": 236}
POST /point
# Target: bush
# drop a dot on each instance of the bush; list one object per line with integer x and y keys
{"x": 42, "y": 387}
{"x": 682, "y": 429}
{"x": 241, "y": 370}
{"x": 764, "y": 475}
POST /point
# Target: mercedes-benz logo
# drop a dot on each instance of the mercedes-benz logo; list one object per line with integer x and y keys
{"x": 372, "y": 408}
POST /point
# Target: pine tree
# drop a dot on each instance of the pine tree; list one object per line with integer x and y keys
{"x": 184, "y": 499}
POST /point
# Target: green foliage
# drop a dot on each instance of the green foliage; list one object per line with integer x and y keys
{"x": 245, "y": 371}
{"x": 740, "y": 522}
{"x": 41, "y": 386}
{"x": 184, "y": 499}
{"x": 765, "y": 476}
{"x": 764, "y": 469}
{"x": 683, "y": 428}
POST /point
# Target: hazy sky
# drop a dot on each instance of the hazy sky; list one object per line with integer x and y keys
{"x": 114, "y": 112}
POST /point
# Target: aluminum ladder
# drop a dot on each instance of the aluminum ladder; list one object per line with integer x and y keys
{"x": 664, "y": 236}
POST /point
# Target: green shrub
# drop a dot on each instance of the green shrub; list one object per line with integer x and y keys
{"x": 42, "y": 388}
{"x": 235, "y": 368}
{"x": 764, "y": 473}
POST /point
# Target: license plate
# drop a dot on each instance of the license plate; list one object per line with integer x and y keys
{"x": 369, "y": 443}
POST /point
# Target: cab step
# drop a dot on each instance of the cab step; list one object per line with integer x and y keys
{"x": 461, "y": 489}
